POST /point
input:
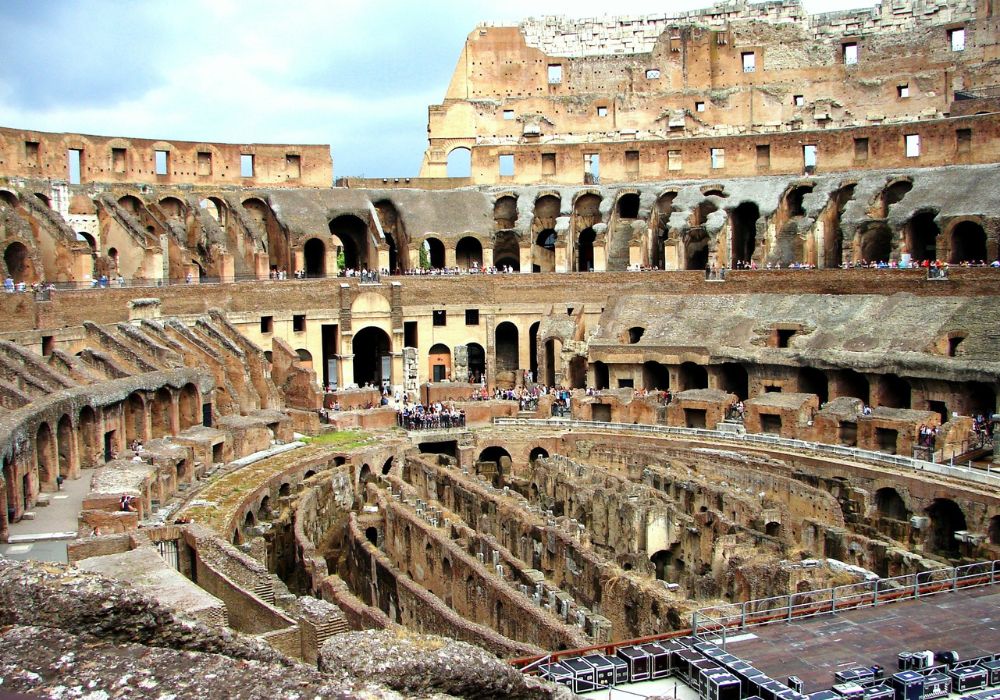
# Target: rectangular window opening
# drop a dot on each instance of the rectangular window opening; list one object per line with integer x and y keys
{"x": 548, "y": 164}
{"x": 749, "y": 61}
{"x": 799, "y": 100}
{"x": 591, "y": 168}
{"x": 809, "y": 158}
{"x": 903, "y": 91}
{"x": 763, "y": 156}
{"x": 602, "y": 111}
{"x": 267, "y": 324}
{"x": 410, "y": 334}
{"x": 508, "y": 115}
{"x": 652, "y": 73}
{"x": 472, "y": 317}
{"x": 718, "y": 156}
{"x": 860, "y": 150}
{"x": 674, "y": 160}
{"x": 632, "y": 162}
{"x": 555, "y": 73}
{"x": 204, "y": 163}
{"x": 699, "y": 106}
{"x": 956, "y": 37}
{"x": 850, "y": 51}
{"x": 440, "y": 317}
{"x": 770, "y": 424}
{"x": 48, "y": 345}
{"x": 32, "y": 153}
{"x": 161, "y": 162}
{"x": 118, "y": 160}
{"x": 246, "y": 165}
{"x": 912, "y": 145}
{"x": 963, "y": 140}
{"x": 298, "y": 323}
{"x": 75, "y": 165}
{"x": 293, "y": 165}
{"x": 506, "y": 164}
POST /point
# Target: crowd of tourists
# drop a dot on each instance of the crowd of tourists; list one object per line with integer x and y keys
{"x": 429, "y": 416}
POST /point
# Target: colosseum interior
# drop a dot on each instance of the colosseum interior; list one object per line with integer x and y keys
{"x": 712, "y": 313}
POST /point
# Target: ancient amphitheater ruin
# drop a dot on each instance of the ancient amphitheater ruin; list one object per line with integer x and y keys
{"x": 711, "y": 319}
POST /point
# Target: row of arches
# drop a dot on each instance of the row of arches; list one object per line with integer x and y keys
{"x": 944, "y": 515}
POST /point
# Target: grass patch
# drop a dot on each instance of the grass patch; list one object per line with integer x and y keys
{"x": 344, "y": 439}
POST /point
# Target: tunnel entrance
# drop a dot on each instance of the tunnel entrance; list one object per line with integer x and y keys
{"x": 946, "y": 519}
{"x": 372, "y": 358}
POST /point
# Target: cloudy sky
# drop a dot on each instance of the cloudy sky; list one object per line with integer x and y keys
{"x": 356, "y": 74}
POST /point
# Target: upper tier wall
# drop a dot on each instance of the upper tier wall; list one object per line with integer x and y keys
{"x": 37, "y": 154}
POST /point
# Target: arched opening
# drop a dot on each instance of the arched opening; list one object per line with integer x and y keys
{"x": 981, "y": 398}
{"x": 506, "y": 252}
{"x": 493, "y": 453}
{"x": 635, "y": 334}
{"x": 396, "y": 238}
{"x": 664, "y": 208}
{"x": 189, "y": 406}
{"x": 459, "y": 162}
{"x": 772, "y": 529}
{"x": 553, "y": 352}
{"x": 946, "y": 519}
{"x": 833, "y": 237}
{"x": 285, "y": 489}
{"x": 876, "y": 242}
{"x": 814, "y": 381}
{"x": 249, "y": 522}
{"x": 365, "y": 477}
{"x": 88, "y": 239}
{"x": 131, "y": 204}
{"x": 45, "y": 456}
{"x": 19, "y": 265}
{"x": 91, "y": 446}
{"x": 538, "y": 453}
{"x": 387, "y": 466}
{"x": 439, "y": 362}
{"x": 893, "y": 194}
{"x": 733, "y": 379}
{"x": 692, "y": 376}
{"x": 135, "y": 418}
{"x": 264, "y": 510}
{"x": 372, "y": 350}
{"x": 8, "y": 198}
{"x": 496, "y": 459}
{"x": 921, "y": 236}
{"x": 353, "y": 235}
{"x": 477, "y": 362}
{"x": 854, "y": 384}
{"x": 469, "y": 253}
{"x": 585, "y": 250}
{"x": 506, "y": 344}
{"x": 505, "y": 212}
{"x": 601, "y": 375}
{"x": 890, "y": 505}
{"x": 533, "y": 350}
{"x": 667, "y": 564}
{"x": 743, "y": 221}
{"x": 544, "y": 251}
{"x": 896, "y": 392}
{"x": 968, "y": 243}
{"x": 66, "y": 440}
{"x": 172, "y": 207}
{"x": 628, "y": 206}
{"x": 793, "y": 200}
{"x": 655, "y": 376}
{"x": 314, "y": 252}
{"x": 434, "y": 253}
{"x": 371, "y": 534}
{"x": 160, "y": 413}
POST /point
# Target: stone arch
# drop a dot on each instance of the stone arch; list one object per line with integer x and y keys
{"x": 352, "y": 233}
{"x": 892, "y": 193}
{"x": 87, "y": 238}
{"x": 946, "y": 519}
{"x": 161, "y": 408}
{"x": 477, "y": 362}
{"x": 469, "y": 253}
{"x": 505, "y": 211}
{"x": 396, "y": 238}
{"x": 434, "y": 250}
{"x": 743, "y": 224}
{"x": 459, "y": 162}
{"x": 249, "y": 522}
{"x": 967, "y": 241}
{"x": 132, "y": 204}
{"x": 507, "y": 348}
{"x": 553, "y": 357}
{"x": 585, "y": 250}
{"x": 305, "y": 357}
{"x": 370, "y": 345}
{"x": 172, "y": 207}
{"x": 875, "y": 241}
{"x": 264, "y": 509}
{"x": 628, "y": 205}
{"x": 365, "y": 477}
{"x": 66, "y": 440}
{"x": 285, "y": 489}
{"x": 543, "y": 252}
{"x": 314, "y": 257}
{"x": 792, "y": 201}
{"x": 9, "y": 199}
{"x": 371, "y": 534}
{"x": 695, "y": 237}
{"x": 891, "y": 505}
{"x": 90, "y": 437}
{"x": 215, "y": 208}
{"x": 921, "y": 234}
{"x": 20, "y": 266}
{"x": 46, "y": 459}
{"x": 135, "y": 417}
{"x": 663, "y": 209}
{"x": 667, "y": 563}
{"x": 537, "y": 452}
{"x": 833, "y": 236}
{"x": 387, "y": 466}
{"x": 506, "y": 250}
{"x": 634, "y": 334}
{"x": 655, "y": 376}
{"x": 692, "y": 376}
{"x": 439, "y": 362}
{"x": 772, "y": 528}
{"x": 189, "y": 406}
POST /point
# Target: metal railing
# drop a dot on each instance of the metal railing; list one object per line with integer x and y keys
{"x": 987, "y": 477}
{"x": 718, "y": 621}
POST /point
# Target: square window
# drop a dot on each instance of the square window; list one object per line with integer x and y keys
{"x": 246, "y": 165}
{"x": 118, "y": 160}
{"x": 903, "y": 91}
{"x": 204, "y": 163}
{"x": 591, "y": 168}
{"x": 49, "y": 344}
{"x": 508, "y": 115}
{"x": 602, "y": 111}
{"x": 267, "y": 324}
{"x": 860, "y": 149}
{"x": 548, "y": 164}
{"x": 699, "y": 106}
{"x": 850, "y": 54}
{"x": 652, "y": 73}
{"x": 506, "y": 164}
{"x": 555, "y": 73}
{"x": 31, "y": 152}
{"x": 161, "y": 161}
{"x": 674, "y": 160}
{"x": 440, "y": 317}
{"x": 809, "y": 158}
{"x": 632, "y": 162}
{"x": 410, "y": 334}
{"x": 956, "y": 37}
{"x": 763, "y": 156}
{"x": 749, "y": 61}
{"x": 298, "y": 323}
{"x": 963, "y": 140}
{"x": 293, "y": 165}
{"x": 718, "y": 158}
{"x": 799, "y": 100}
{"x": 912, "y": 145}
{"x": 472, "y": 317}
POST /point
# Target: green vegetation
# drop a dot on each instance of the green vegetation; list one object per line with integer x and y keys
{"x": 344, "y": 439}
